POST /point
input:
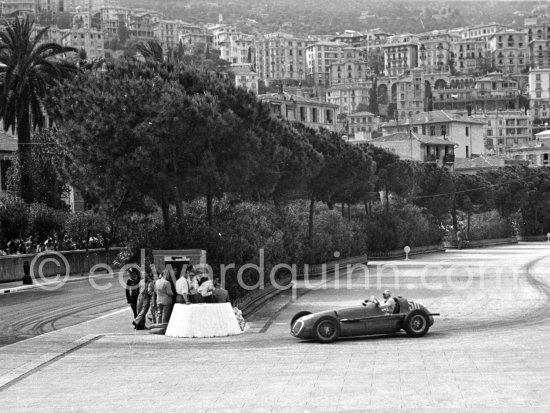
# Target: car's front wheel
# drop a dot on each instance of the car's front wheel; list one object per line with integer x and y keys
{"x": 416, "y": 324}
{"x": 326, "y": 329}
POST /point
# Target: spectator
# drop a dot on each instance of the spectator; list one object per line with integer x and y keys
{"x": 164, "y": 298}
{"x": 182, "y": 289}
{"x": 132, "y": 289}
{"x": 154, "y": 307}
{"x": 144, "y": 301}
{"x": 194, "y": 296}
{"x": 220, "y": 295}
{"x": 206, "y": 289}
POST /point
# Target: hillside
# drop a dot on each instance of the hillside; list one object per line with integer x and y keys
{"x": 328, "y": 16}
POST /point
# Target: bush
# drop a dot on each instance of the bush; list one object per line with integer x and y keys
{"x": 14, "y": 218}
{"x": 45, "y": 221}
{"x": 489, "y": 225}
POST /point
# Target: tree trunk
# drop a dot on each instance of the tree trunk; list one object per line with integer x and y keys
{"x": 387, "y": 196}
{"x": 179, "y": 209}
{"x": 25, "y": 158}
{"x": 349, "y": 212}
{"x": 455, "y": 220}
{"x": 343, "y": 210}
{"x": 209, "y": 202}
{"x": 366, "y": 208}
{"x": 311, "y": 211}
{"x": 165, "y": 205}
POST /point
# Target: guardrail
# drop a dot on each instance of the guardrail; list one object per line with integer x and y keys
{"x": 532, "y": 238}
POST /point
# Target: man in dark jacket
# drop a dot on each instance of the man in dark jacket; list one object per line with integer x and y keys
{"x": 132, "y": 290}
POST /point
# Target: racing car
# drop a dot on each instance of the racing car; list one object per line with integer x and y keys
{"x": 365, "y": 319}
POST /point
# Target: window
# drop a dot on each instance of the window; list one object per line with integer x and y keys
{"x": 423, "y": 129}
{"x": 415, "y": 129}
{"x": 489, "y": 132}
{"x": 432, "y": 130}
{"x": 467, "y": 151}
{"x": 467, "y": 131}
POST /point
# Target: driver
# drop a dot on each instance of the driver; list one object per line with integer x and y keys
{"x": 388, "y": 303}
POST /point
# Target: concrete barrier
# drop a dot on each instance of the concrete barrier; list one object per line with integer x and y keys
{"x": 51, "y": 263}
{"x": 484, "y": 243}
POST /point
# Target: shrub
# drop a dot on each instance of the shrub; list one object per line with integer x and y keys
{"x": 14, "y": 218}
{"x": 45, "y": 221}
{"x": 489, "y": 225}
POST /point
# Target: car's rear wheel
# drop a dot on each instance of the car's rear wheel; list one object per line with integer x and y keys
{"x": 297, "y": 316}
{"x": 326, "y": 329}
{"x": 416, "y": 323}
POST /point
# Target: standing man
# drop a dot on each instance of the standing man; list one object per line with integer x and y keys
{"x": 132, "y": 289}
{"x": 144, "y": 301}
{"x": 182, "y": 289}
{"x": 164, "y": 297}
{"x": 220, "y": 295}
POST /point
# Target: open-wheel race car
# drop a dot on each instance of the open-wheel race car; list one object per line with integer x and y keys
{"x": 365, "y": 319}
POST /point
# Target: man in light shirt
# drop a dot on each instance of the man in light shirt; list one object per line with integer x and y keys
{"x": 182, "y": 289}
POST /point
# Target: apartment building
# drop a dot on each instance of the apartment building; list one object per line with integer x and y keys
{"x": 482, "y": 31}
{"x": 83, "y": 36}
{"x": 281, "y": 57}
{"x": 348, "y": 96}
{"x": 351, "y": 67}
{"x": 350, "y": 37}
{"x": 245, "y": 77}
{"x": 400, "y": 54}
{"x": 538, "y": 38}
{"x": 11, "y": 6}
{"x": 539, "y": 98}
{"x": 236, "y": 48}
{"x": 504, "y": 129}
{"x": 536, "y": 152}
{"x": 167, "y": 33}
{"x": 362, "y": 125}
{"x": 294, "y": 107}
{"x": 319, "y": 58}
{"x": 436, "y": 51}
{"x": 464, "y": 131}
{"x": 471, "y": 55}
{"x": 509, "y": 51}
{"x": 53, "y": 6}
{"x": 195, "y": 37}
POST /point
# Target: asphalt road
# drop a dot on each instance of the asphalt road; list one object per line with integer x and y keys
{"x": 33, "y": 312}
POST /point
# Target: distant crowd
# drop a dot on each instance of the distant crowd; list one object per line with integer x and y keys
{"x": 55, "y": 242}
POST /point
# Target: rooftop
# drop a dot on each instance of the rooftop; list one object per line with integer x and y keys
{"x": 404, "y": 136}
{"x": 436, "y": 116}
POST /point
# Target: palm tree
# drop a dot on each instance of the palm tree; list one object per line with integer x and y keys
{"x": 28, "y": 69}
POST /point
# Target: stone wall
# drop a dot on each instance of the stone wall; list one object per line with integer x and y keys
{"x": 52, "y": 263}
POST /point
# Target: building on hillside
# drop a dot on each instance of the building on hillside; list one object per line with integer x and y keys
{"x": 220, "y": 32}
{"x": 194, "y": 38}
{"x": 539, "y": 98}
{"x": 465, "y": 131}
{"x": 281, "y": 57}
{"x": 482, "y": 31}
{"x": 350, "y": 37}
{"x": 245, "y": 77}
{"x": 509, "y": 51}
{"x": 350, "y": 68}
{"x": 53, "y": 6}
{"x": 538, "y": 39}
{"x": 319, "y": 58}
{"x": 505, "y": 129}
{"x": 8, "y": 7}
{"x": 411, "y": 146}
{"x": 466, "y": 93}
{"x": 435, "y": 52}
{"x": 293, "y": 107}
{"x": 471, "y": 56}
{"x": 400, "y": 54}
{"x": 348, "y": 96}
{"x": 362, "y": 125}
{"x": 536, "y": 152}
{"x": 236, "y": 48}
{"x": 85, "y": 37}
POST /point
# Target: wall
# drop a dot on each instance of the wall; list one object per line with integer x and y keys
{"x": 79, "y": 262}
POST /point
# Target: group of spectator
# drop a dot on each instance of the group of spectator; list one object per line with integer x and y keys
{"x": 159, "y": 296}
{"x": 55, "y": 242}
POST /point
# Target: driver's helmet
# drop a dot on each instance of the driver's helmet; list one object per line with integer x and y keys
{"x": 386, "y": 294}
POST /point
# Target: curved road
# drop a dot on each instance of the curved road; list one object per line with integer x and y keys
{"x": 33, "y": 312}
